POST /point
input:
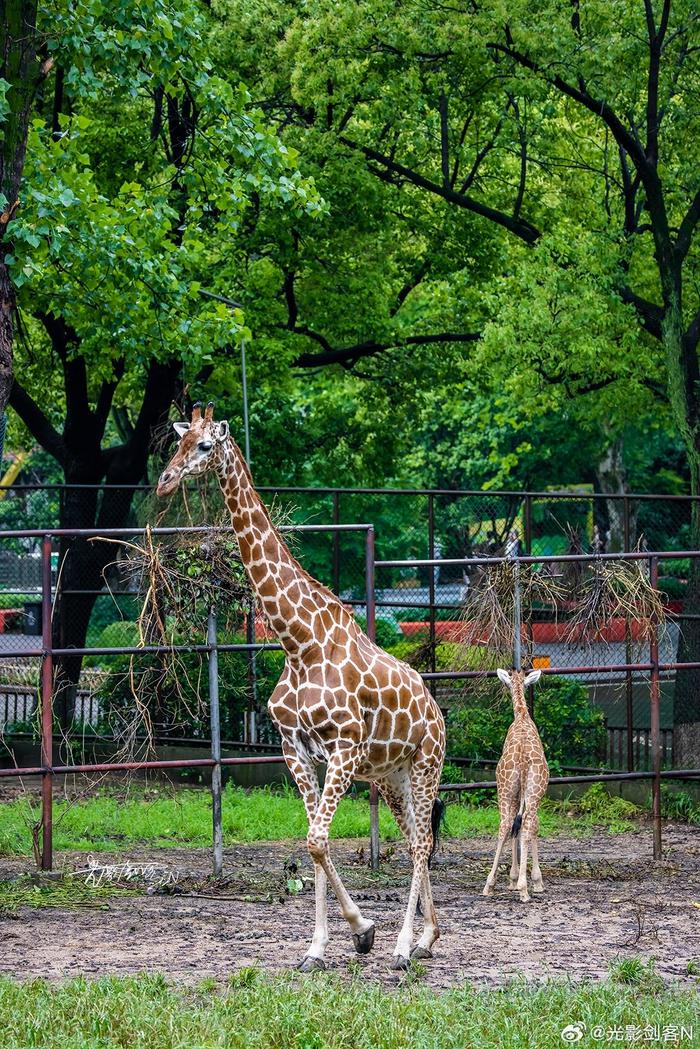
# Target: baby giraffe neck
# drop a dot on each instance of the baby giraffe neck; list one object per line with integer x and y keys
{"x": 519, "y": 705}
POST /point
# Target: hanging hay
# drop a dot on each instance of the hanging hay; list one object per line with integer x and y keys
{"x": 611, "y": 591}
{"x": 488, "y": 613}
{"x": 179, "y": 577}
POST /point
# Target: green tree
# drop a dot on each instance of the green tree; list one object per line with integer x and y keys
{"x": 140, "y": 170}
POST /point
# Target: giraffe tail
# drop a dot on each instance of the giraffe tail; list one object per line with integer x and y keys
{"x": 437, "y": 817}
{"x": 515, "y": 829}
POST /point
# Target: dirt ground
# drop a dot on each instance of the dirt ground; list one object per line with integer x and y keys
{"x": 604, "y": 900}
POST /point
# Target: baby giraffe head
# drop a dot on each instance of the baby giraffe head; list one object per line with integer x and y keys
{"x": 200, "y": 448}
{"x": 517, "y": 681}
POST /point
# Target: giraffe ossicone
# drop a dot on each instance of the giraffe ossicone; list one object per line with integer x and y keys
{"x": 341, "y": 700}
{"x": 522, "y": 776}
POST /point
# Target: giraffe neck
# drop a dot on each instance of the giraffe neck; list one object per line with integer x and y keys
{"x": 299, "y": 610}
{"x": 519, "y": 704}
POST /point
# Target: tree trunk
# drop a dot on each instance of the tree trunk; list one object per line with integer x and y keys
{"x": 83, "y": 563}
{"x": 19, "y": 67}
{"x": 611, "y": 479}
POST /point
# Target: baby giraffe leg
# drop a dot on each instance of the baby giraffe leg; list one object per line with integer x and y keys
{"x": 503, "y": 833}
{"x": 514, "y": 867}
{"x": 522, "y": 875}
{"x": 537, "y": 883}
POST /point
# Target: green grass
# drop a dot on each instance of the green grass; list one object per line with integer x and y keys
{"x": 110, "y": 821}
{"x": 26, "y": 892}
{"x": 323, "y": 1012}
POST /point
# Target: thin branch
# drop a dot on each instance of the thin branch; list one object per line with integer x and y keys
{"x": 37, "y": 423}
{"x": 519, "y": 227}
{"x": 350, "y": 354}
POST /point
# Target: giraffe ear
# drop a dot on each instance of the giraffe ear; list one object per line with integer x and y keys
{"x": 222, "y": 430}
{"x": 505, "y": 677}
{"x": 532, "y": 678}
{"x": 181, "y": 428}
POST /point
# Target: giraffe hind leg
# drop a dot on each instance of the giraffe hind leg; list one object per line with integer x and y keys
{"x": 398, "y": 795}
{"x": 424, "y": 782}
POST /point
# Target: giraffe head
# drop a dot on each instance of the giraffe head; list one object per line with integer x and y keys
{"x": 517, "y": 681}
{"x": 200, "y": 448}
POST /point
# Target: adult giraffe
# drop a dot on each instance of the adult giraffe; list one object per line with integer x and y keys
{"x": 341, "y": 700}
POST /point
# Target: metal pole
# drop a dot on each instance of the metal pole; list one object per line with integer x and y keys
{"x": 215, "y": 725}
{"x": 517, "y": 619}
{"x": 431, "y": 583}
{"x": 336, "y": 544}
{"x": 655, "y": 720}
{"x": 629, "y": 694}
{"x": 371, "y": 625}
{"x": 46, "y": 708}
{"x": 244, "y": 382}
{"x": 249, "y": 733}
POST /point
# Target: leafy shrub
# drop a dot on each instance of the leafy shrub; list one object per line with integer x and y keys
{"x": 679, "y": 805}
{"x": 673, "y": 587}
{"x": 572, "y": 730}
{"x": 16, "y": 600}
{"x": 384, "y": 633}
{"x": 422, "y": 615}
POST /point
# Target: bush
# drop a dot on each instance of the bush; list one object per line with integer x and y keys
{"x": 572, "y": 730}
{"x": 422, "y": 615}
{"x": 673, "y": 587}
{"x": 384, "y": 633}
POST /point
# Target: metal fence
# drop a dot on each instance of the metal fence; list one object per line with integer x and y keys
{"x": 414, "y": 600}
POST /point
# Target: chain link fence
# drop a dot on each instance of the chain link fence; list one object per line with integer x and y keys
{"x": 418, "y": 607}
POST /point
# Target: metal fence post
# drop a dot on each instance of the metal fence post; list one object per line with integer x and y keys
{"x": 517, "y": 618}
{"x": 431, "y": 583}
{"x": 336, "y": 543}
{"x": 528, "y": 524}
{"x": 46, "y": 708}
{"x": 371, "y": 630}
{"x": 655, "y": 720}
{"x": 215, "y": 727}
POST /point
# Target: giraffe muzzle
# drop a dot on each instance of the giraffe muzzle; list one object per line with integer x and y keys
{"x": 167, "y": 483}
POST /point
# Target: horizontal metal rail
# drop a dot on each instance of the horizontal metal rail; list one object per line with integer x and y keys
{"x": 448, "y": 492}
{"x": 601, "y": 777}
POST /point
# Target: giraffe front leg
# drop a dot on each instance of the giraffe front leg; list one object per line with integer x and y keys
{"x": 339, "y": 775}
{"x": 304, "y": 773}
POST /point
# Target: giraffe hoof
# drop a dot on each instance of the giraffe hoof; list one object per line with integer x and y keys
{"x": 419, "y": 953}
{"x": 311, "y": 965}
{"x": 539, "y": 887}
{"x": 401, "y": 963}
{"x": 364, "y": 941}
{"x": 488, "y": 891}
{"x": 524, "y": 897}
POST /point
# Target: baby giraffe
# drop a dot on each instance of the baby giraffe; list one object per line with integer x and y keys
{"x": 522, "y": 776}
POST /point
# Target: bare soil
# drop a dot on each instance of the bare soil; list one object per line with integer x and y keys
{"x": 605, "y": 900}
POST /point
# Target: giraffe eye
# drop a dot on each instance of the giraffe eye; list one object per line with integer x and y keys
{"x": 205, "y": 446}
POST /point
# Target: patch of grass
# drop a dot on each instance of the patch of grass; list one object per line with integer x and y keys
{"x": 679, "y": 805}
{"x": 109, "y": 821}
{"x": 64, "y": 892}
{"x": 320, "y": 1012}
{"x": 598, "y": 808}
{"x": 635, "y": 972}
